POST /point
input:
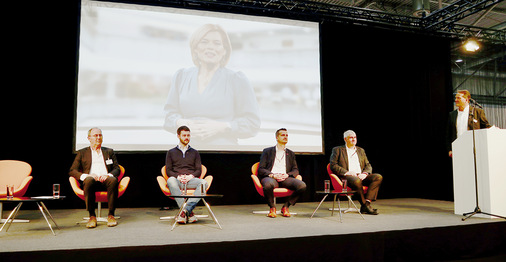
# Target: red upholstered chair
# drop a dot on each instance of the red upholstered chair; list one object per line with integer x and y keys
{"x": 278, "y": 192}
{"x": 337, "y": 184}
{"x": 17, "y": 173}
{"x": 101, "y": 196}
{"x": 162, "y": 182}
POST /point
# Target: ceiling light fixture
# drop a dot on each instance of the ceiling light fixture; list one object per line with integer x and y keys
{"x": 471, "y": 45}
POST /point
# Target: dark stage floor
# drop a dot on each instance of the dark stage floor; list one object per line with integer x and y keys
{"x": 406, "y": 223}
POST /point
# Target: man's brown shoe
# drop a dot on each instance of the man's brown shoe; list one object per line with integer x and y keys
{"x": 272, "y": 212}
{"x": 111, "y": 221}
{"x": 92, "y": 223}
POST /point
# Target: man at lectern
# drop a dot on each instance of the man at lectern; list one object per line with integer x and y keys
{"x": 97, "y": 168}
{"x": 461, "y": 119}
{"x": 349, "y": 162}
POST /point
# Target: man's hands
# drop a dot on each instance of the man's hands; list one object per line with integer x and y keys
{"x": 279, "y": 177}
{"x": 100, "y": 178}
{"x": 184, "y": 178}
{"x": 362, "y": 176}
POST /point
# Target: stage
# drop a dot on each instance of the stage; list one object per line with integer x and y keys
{"x": 406, "y": 229}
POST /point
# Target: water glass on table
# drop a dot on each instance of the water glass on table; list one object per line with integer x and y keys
{"x": 56, "y": 190}
{"x": 327, "y": 186}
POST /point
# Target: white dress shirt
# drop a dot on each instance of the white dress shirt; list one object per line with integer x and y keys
{"x": 353, "y": 162}
{"x": 97, "y": 165}
{"x": 279, "y": 166}
{"x": 462, "y": 121}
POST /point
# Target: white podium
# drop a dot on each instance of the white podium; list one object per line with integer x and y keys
{"x": 491, "y": 170}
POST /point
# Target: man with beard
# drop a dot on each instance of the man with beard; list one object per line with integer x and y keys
{"x": 183, "y": 167}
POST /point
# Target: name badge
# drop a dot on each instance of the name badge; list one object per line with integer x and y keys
{"x": 108, "y": 162}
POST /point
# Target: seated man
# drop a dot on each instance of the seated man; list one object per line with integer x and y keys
{"x": 183, "y": 168}
{"x": 96, "y": 166}
{"x": 350, "y": 162}
{"x": 277, "y": 168}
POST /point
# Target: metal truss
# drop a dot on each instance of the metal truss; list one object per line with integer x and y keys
{"x": 464, "y": 31}
{"x": 444, "y": 20}
{"x": 441, "y": 22}
{"x": 301, "y": 10}
{"x": 455, "y": 12}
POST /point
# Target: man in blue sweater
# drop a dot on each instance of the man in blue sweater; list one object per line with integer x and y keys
{"x": 183, "y": 166}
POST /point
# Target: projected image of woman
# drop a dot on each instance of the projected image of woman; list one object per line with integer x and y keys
{"x": 218, "y": 104}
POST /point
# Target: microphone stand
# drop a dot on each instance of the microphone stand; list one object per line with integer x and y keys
{"x": 477, "y": 209}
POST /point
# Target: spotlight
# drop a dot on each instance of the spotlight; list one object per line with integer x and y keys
{"x": 471, "y": 45}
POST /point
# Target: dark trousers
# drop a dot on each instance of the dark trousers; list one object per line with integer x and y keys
{"x": 291, "y": 183}
{"x": 372, "y": 181}
{"x": 90, "y": 186}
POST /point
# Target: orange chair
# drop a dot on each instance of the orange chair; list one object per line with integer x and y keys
{"x": 337, "y": 184}
{"x": 162, "y": 182}
{"x": 17, "y": 173}
{"x": 278, "y": 192}
{"x": 101, "y": 196}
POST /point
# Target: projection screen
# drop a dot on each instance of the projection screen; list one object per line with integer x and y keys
{"x": 233, "y": 79}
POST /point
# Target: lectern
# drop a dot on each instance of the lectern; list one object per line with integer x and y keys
{"x": 490, "y": 168}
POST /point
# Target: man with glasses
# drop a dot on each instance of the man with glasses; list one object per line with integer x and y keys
{"x": 97, "y": 169}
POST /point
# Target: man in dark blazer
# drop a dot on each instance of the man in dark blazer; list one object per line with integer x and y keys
{"x": 97, "y": 169}
{"x": 350, "y": 163}
{"x": 278, "y": 168}
{"x": 461, "y": 119}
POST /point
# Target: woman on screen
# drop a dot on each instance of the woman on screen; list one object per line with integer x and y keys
{"x": 218, "y": 104}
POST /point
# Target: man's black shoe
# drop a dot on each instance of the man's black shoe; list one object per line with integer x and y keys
{"x": 367, "y": 209}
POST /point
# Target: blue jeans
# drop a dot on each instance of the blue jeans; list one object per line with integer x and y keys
{"x": 175, "y": 188}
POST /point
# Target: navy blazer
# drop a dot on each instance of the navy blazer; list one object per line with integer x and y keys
{"x": 267, "y": 162}
{"x": 82, "y": 162}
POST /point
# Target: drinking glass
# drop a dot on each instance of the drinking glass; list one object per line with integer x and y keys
{"x": 56, "y": 190}
{"x": 10, "y": 191}
{"x": 327, "y": 186}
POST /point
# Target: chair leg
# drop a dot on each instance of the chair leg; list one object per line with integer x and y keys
{"x": 349, "y": 209}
